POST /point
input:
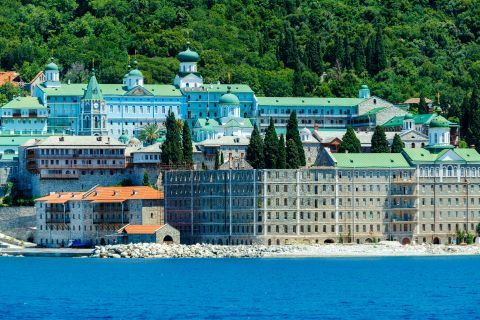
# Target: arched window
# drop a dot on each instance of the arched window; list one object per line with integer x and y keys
{"x": 413, "y": 144}
{"x": 450, "y": 171}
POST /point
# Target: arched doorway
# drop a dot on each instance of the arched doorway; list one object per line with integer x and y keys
{"x": 436, "y": 240}
{"x": 220, "y": 241}
{"x": 328, "y": 241}
{"x": 368, "y": 240}
{"x": 405, "y": 241}
{"x": 102, "y": 242}
{"x": 269, "y": 242}
{"x": 168, "y": 239}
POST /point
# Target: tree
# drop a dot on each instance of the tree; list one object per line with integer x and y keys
{"x": 397, "y": 144}
{"x": 314, "y": 55}
{"x": 270, "y": 146}
{"x": 146, "y": 179}
{"x": 298, "y": 87}
{"x": 187, "y": 145}
{"x": 422, "y": 104}
{"x": 293, "y": 159}
{"x": 380, "y": 54}
{"x": 287, "y": 47}
{"x": 282, "y": 154}
{"x": 473, "y": 131}
{"x": 350, "y": 142}
{"x": 370, "y": 55}
{"x": 222, "y": 161}
{"x": 172, "y": 153}
{"x": 477, "y": 229}
{"x": 293, "y": 134}
{"x": 379, "y": 141}
{"x": 255, "y": 155}
{"x": 150, "y": 133}
{"x": 359, "y": 56}
{"x": 217, "y": 160}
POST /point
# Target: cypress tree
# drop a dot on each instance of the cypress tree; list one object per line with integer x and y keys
{"x": 282, "y": 154}
{"x": 293, "y": 134}
{"x": 172, "y": 153}
{"x": 473, "y": 131}
{"x": 298, "y": 87}
{"x": 359, "y": 56}
{"x": 370, "y": 55}
{"x": 397, "y": 144}
{"x": 422, "y": 104}
{"x": 314, "y": 55}
{"x": 380, "y": 54}
{"x": 187, "y": 145}
{"x": 255, "y": 150}
{"x": 379, "y": 141}
{"x": 222, "y": 161}
{"x": 270, "y": 146}
{"x": 287, "y": 48}
{"x": 292, "y": 156}
{"x": 347, "y": 59}
{"x": 350, "y": 142}
{"x": 338, "y": 53}
{"x": 217, "y": 160}
{"x": 146, "y": 180}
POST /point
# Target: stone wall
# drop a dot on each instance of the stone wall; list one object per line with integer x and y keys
{"x": 18, "y": 222}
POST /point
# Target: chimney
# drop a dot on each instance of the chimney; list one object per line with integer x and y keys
{"x": 315, "y": 127}
{"x": 472, "y": 146}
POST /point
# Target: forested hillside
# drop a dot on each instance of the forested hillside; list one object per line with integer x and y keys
{"x": 400, "y": 48}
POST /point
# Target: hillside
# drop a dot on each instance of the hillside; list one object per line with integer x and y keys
{"x": 400, "y": 48}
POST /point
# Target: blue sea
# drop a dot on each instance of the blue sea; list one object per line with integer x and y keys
{"x": 343, "y": 288}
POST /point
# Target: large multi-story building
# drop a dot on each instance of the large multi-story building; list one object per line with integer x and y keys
{"x": 419, "y": 195}
{"x": 94, "y": 216}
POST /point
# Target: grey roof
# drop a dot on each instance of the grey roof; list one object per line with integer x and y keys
{"x": 225, "y": 141}
{"x": 79, "y": 141}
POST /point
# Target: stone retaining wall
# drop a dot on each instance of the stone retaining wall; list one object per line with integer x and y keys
{"x": 18, "y": 222}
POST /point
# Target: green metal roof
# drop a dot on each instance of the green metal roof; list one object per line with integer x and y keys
{"x": 93, "y": 90}
{"x": 15, "y": 141}
{"x": 368, "y": 160}
{"x": 424, "y": 155}
{"x": 202, "y": 123}
{"x": 77, "y": 90}
{"x": 24, "y": 103}
{"x": 309, "y": 102}
{"x": 135, "y": 73}
{"x": 372, "y": 112}
{"x": 419, "y": 119}
{"x": 188, "y": 55}
{"x": 229, "y": 98}
{"x": 51, "y": 66}
{"x": 439, "y": 122}
{"x": 233, "y": 123}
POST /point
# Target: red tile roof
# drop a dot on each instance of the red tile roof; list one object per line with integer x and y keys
{"x": 8, "y": 76}
{"x": 141, "y": 229}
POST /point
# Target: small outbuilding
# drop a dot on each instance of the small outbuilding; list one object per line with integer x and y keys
{"x": 132, "y": 233}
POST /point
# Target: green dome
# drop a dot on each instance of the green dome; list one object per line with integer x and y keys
{"x": 229, "y": 98}
{"x": 408, "y": 116}
{"x": 135, "y": 73}
{"x": 51, "y": 66}
{"x": 188, "y": 55}
{"x": 123, "y": 139}
{"x": 439, "y": 122}
{"x": 364, "y": 86}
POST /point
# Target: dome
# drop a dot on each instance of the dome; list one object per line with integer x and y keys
{"x": 229, "y": 98}
{"x": 364, "y": 86}
{"x": 408, "y": 116}
{"x": 134, "y": 141}
{"x": 188, "y": 55}
{"x": 135, "y": 73}
{"x": 123, "y": 138}
{"x": 439, "y": 122}
{"x": 51, "y": 66}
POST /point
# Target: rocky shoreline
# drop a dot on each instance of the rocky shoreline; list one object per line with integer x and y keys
{"x": 152, "y": 250}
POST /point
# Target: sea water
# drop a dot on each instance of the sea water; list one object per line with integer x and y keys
{"x": 325, "y": 288}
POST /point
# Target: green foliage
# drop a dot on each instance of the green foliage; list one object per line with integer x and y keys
{"x": 15, "y": 197}
{"x": 146, "y": 179}
{"x": 217, "y": 160}
{"x": 294, "y": 135}
{"x": 422, "y": 105}
{"x": 350, "y": 142}
{"x": 255, "y": 155}
{"x": 7, "y": 92}
{"x": 462, "y": 144}
{"x": 472, "y": 113}
{"x": 222, "y": 160}
{"x": 187, "y": 145}
{"x": 293, "y": 158}
{"x": 126, "y": 183}
{"x": 270, "y": 147}
{"x": 399, "y": 48}
{"x": 379, "y": 141}
{"x": 172, "y": 153}
{"x": 282, "y": 154}
{"x": 397, "y": 144}
{"x": 477, "y": 229}
{"x": 469, "y": 237}
{"x": 150, "y": 133}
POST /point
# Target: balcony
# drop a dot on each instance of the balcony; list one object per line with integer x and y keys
{"x": 112, "y": 220}
{"x": 405, "y": 206}
{"x": 403, "y": 180}
{"x": 403, "y": 193}
{"x": 81, "y": 166}
{"x": 58, "y": 220}
{"x": 411, "y": 218}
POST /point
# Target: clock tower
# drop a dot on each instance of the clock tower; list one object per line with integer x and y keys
{"x": 93, "y": 110}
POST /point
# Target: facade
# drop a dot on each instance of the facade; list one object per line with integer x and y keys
{"x": 421, "y": 195}
{"x": 24, "y": 115}
{"x": 133, "y": 233}
{"x": 68, "y": 163}
{"x": 93, "y": 217}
